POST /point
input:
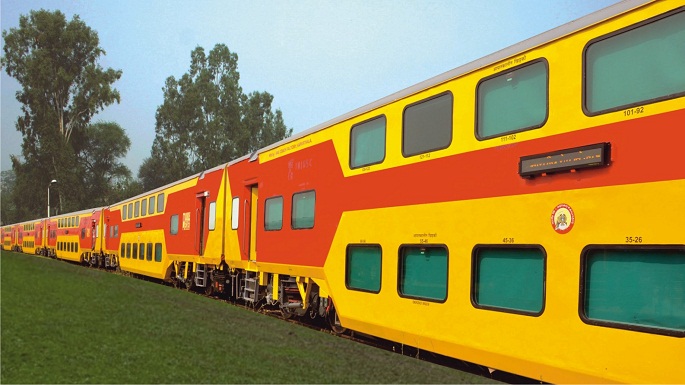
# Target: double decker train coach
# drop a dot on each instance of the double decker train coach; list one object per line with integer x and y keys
{"x": 76, "y": 236}
{"x": 174, "y": 233}
{"x": 516, "y": 212}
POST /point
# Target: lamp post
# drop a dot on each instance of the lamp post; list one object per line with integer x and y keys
{"x": 51, "y": 182}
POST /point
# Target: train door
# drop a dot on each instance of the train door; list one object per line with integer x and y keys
{"x": 38, "y": 236}
{"x": 250, "y": 214}
{"x": 200, "y": 218}
{"x": 93, "y": 234}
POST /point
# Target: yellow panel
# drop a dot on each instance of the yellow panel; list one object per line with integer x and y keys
{"x": 524, "y": 344}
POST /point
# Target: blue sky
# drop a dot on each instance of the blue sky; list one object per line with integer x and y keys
{"x": 320, "y": 59}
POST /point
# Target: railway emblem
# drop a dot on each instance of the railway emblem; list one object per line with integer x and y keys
{"x": 562, "y": 218}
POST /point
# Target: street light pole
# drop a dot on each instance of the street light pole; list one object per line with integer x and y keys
{"x": 51, "y": 182}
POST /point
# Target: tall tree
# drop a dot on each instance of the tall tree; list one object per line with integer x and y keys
{"x": 105, "y": 144}
{"x": 56, "y": 63}
{"x": 8, "y": 212}
{"x": 206, "y": 120}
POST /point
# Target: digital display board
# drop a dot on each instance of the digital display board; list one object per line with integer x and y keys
{"x": 595, "y": 155}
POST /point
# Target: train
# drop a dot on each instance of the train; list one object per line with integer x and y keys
{"x": 522, "y": 211}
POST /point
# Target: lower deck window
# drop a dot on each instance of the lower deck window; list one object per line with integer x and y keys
{"x": 510, "y": 279}
{"x": 158, "y": 252}
{"x": 363, "y": 268}
{"x": 641, "y": 288}
{"x": 423, "y": 272}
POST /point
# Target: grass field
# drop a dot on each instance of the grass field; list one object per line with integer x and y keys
{"x": 63, "y": 323}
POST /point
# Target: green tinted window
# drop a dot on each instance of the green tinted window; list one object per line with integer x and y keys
{"x": 141, "y": 250}
{"x": 512, "y": 101}
{"x": 160, "y": 202}
{"x": 423, "y": 272}
{"x": 135, "y": 251}
{"x": 363, "y": 268}
{"x": 367, "y": 143}
{"x": 123, "y": 249}
{"x": 158, "y": 252}
{"x": 173, "y": 226}
{"x": 509, "y": 278}
{"x": 128, "y": 250}
{"x": 273, "y": 213}
{"x": 639, "y": 65}
{"x": 427, "y": 125}
{"x": 149, "y": 251}
{"x": 303, "y": 210}
{"x": 640, "y": 287}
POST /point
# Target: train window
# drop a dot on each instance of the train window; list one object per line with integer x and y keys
{"x": 636, "y": 65}
{"x": 303, "y": 210}
{"x": 151, "y": 206}
{"x": 423, "y": 272}
{"x": 123, "y": 213}
{"x": 149, "y": 251}
{"x": 509, "y": 278}
{"x": 116, "y": 231}
{"x": 158, "y": 252}
{"x": 363, "y": 268}
{"x": 512, "y": 101}
{"x": 367, "y": 142}
{"x": 123, "y": 249}
{"x": 638, "y": 288}
{"x": 136, "y": 210}
{"x": 235, "y": 210}
{"x": 173, "y": 226}
{"x": 135, "y": 251}
{"x": 160, "y": 203}
{"x": 143, "y": 207}
{"x": 128, "y": 250}
{"x": 83, "y": 233}
{"x": 141, "y": 250}
{"x": 427, "y": 125}
{"x": 273, "y": 213}
{"x": 130, "y": 210}
{"x": 212, "y": 216}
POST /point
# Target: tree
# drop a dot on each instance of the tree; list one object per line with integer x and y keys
{"x": 63, "y": 87}
{"x": 8, "y": 211}
{"x": 105, "y": 143}
{"x": 206, "y": 120}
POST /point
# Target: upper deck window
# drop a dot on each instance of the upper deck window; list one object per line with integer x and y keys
{"x": 513, "y": 101}
{"x": 367, "y": 142}
{"x": 427, "y": 125}
{"x": 640, "y": 64}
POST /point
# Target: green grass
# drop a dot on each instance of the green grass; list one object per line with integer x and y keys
{"x": 63, "y": 323}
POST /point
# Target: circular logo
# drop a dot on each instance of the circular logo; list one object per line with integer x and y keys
{"x": 562, "y": 218}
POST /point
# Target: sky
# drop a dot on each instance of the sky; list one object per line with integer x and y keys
{"x": 319, "y": 59}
